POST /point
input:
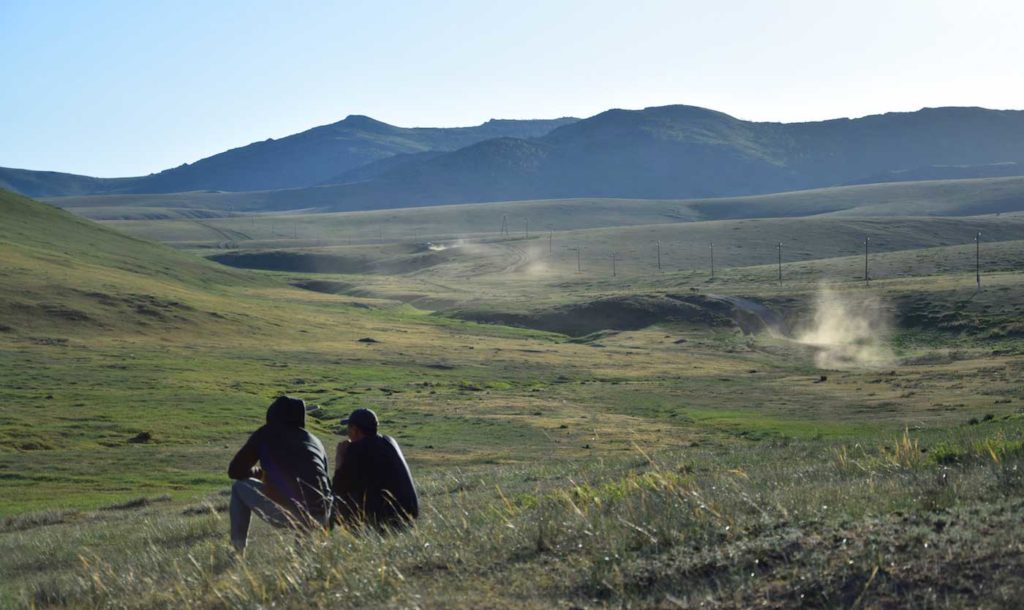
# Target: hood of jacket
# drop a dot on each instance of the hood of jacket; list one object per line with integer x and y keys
{"x": 287, "y": 411}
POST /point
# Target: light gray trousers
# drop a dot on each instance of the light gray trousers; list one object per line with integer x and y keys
{"x": 247, "y": 497}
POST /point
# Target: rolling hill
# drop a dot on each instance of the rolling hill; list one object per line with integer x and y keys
{"x": 925, "y": 198}
{"x": 67, "y": 275}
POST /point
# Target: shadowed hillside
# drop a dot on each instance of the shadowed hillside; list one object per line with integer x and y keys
{"x": 319, "y": 155}
{"x": 685, "y": 152}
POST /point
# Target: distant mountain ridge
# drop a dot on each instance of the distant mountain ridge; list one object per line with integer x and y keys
{"x": 309, "y": 158}
{"x": 667, "y": 152}
{"x": 687, "y": 152}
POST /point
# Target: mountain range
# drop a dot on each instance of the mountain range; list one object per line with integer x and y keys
{"x": 316, "y": 156}
{"x": 661, "y": 152}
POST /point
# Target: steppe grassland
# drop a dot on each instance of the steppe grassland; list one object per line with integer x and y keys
{"x": 674, "y": 472}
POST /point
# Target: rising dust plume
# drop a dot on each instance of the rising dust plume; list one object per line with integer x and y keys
{"x": 849, "y": 331}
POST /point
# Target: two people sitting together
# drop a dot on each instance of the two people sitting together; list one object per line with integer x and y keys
{"x": 281, "y": 475}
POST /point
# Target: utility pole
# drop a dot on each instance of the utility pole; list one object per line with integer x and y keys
{"x": 578, "y": 264}
{"x": 659, "y": 255}
{"x": 867, "y": 278}
{"x": 780, "y": 263}
{"x": 977, "y": 259}
{"x": 712, "y": 246}
{"x": 615, "y": 256}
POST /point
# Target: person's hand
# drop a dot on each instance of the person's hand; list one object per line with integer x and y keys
{"x": 339, "y": 453}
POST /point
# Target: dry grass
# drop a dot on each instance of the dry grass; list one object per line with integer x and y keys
{"x": 692, "y": 528}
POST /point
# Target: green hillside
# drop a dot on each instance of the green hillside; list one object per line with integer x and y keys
{"x": 65, "y": 274}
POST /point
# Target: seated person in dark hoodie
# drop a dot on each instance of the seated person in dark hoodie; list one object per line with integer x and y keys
{"x": 290, "y": 486}
{"x": 372, "y": 483}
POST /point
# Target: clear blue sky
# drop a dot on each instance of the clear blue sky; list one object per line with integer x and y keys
{"x": 130, "y": 87}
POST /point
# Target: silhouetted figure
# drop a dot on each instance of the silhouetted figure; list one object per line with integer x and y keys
{"x": 372, "y": 482}
{"x": 290, "y": 487}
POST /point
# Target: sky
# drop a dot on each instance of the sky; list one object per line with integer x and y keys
{"x": 121, "y": 88}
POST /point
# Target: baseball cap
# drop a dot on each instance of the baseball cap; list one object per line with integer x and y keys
{"x": 364, "y": 419}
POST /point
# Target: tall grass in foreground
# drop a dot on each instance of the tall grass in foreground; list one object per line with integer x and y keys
{"x": 805, "y": 524}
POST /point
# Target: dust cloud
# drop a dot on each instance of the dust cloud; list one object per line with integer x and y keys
{"x": 536, "y": 263}
{"x": 849, "y": 331}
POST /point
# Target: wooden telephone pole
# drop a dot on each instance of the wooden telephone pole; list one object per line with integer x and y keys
{"x": 977, "y": 259}
{"x": 867, "y": 278}
{"x": 780, "y": 263}
{"x": 579, "y": 267}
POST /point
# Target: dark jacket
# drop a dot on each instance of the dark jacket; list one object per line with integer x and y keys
{"x": 292, "y": 462}
{"x": 374, "y": 484}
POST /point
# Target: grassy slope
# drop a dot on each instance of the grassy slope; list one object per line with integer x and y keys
{"x": 103, "y": 336}
{"x": 61, "y": 271}
{"x": 751, "y": 474}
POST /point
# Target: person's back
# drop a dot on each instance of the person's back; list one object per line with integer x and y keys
{"x": 290, "y": 486}
{"x": 372, "y": 482}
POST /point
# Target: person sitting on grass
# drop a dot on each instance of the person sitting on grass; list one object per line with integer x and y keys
{"x": 372, "y": 484}
{"x": 290, "y": 486}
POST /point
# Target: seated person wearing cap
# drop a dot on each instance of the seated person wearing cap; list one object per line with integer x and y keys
{"x": 290, "y": 487}
{"x": 372, "y": 483}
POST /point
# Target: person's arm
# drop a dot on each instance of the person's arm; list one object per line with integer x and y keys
{"x": 243, "y": 465}
{"x": 339, "y": 454}
{"x": 345, "y": 485}
{"x": 344, "y": 469}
